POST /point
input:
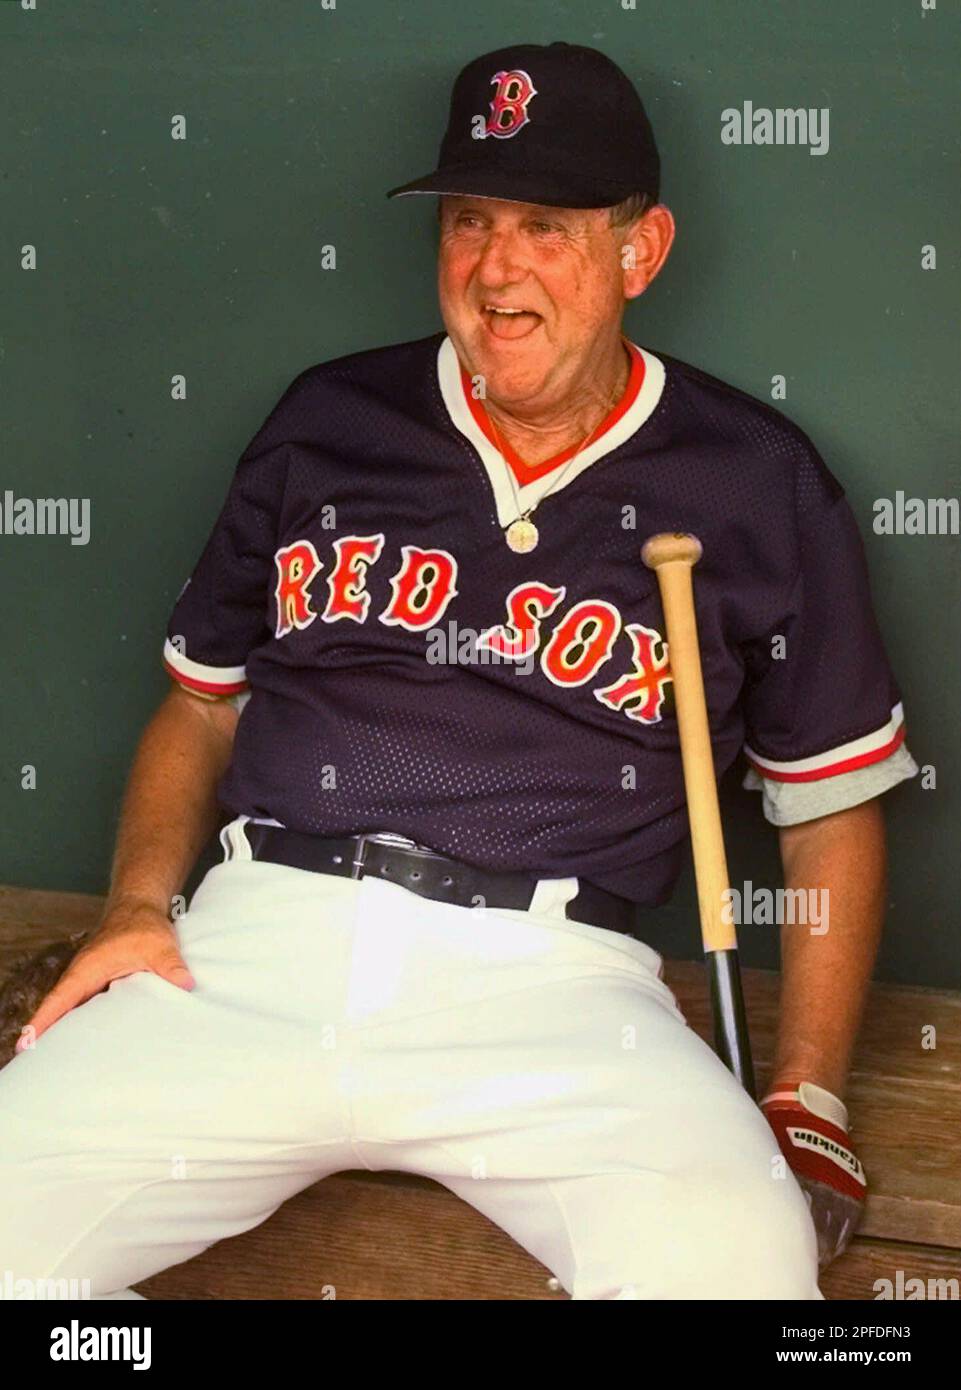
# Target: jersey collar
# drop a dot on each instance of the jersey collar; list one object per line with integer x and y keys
{"x": 644, "y": 388}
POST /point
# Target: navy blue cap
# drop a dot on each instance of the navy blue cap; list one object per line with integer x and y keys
{"x": 556, "y": 124}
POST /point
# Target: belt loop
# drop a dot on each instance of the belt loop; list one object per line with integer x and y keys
{"x": 360, "y": 857}
{"x": 552, "y": 895}
{"x": 225, "y": 843}
{"x": 240, "y": 845}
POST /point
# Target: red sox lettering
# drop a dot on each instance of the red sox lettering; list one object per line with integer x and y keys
{"x": 424, "y": 585}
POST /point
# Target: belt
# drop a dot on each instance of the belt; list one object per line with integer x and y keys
{"x": 428, "y": 874}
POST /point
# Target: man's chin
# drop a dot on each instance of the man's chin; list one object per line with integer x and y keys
{"x": 513, "y": 386}
{"x": 513, "y": 369}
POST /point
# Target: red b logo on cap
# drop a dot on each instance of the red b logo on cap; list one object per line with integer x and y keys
{"x": 509, "y": 106}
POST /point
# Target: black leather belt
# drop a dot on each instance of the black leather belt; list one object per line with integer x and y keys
{"x": 428, "y": 874}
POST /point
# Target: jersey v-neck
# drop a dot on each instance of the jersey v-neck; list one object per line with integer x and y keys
{"x": 530, "y": 472}
{"x": 523, "y": 491}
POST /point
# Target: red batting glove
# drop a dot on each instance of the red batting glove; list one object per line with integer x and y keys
{"x": 811, "y": 1126}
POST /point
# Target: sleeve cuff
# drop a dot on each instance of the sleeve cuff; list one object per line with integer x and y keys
{"x": 834, "y": 762}
{"x": 790, "y": 803}
{"x": 211, "y": 680}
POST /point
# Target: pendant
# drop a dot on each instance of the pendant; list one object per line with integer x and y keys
{"x": 522, "y": 535}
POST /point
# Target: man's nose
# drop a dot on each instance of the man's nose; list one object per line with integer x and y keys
{"x": 501, "y": 261}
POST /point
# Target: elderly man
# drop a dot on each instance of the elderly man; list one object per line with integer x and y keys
{"x": 456, "y": 773}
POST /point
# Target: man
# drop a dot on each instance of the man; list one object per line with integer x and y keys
{"x": 457, "y": 771}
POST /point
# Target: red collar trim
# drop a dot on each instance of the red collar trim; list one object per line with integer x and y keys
{"x": 528, "y": 473}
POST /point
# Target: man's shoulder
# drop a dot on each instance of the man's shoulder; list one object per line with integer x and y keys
{"x": 371, "y": 388}
{"x": 712, "y": 412}
{"x": 394, "y": 364}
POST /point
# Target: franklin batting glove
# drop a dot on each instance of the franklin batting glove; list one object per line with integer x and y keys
{"x": 811, "y": 1126}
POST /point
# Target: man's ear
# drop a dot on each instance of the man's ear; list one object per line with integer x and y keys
{"x": 644, "y": 248}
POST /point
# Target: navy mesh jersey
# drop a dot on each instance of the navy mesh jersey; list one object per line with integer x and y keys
{"x": 409, "y": 672}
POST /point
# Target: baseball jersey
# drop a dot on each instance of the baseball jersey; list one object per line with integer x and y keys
{"x": 409, "y": 672}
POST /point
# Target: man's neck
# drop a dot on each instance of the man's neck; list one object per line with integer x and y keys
{"x": 535, "y": 440}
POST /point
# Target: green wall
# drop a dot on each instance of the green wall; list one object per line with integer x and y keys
{"x": 203, "y": 257}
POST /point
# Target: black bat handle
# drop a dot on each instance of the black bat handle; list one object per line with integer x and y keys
{"x": 731, "y": 1041}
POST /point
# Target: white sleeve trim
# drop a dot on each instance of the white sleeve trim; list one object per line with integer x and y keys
{"x": 213, "y": 680}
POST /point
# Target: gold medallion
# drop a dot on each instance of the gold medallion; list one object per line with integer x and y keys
{"x": 522, "y": 535}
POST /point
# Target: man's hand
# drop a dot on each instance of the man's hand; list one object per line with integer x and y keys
{"x": 169, "y": 811}
{"x": 133, "y": 936}
{"x": 811, "y": 1126}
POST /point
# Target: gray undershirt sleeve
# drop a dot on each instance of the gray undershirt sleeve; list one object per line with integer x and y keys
{"x": 789, "y": 803}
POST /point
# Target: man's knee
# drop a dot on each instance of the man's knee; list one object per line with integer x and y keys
{"x": 713, "y": 1236}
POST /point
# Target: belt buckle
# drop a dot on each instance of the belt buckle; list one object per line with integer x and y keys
{"x": 360, "y": 856}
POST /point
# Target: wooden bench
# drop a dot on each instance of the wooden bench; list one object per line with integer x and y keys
{"x": 392, "y": 1236}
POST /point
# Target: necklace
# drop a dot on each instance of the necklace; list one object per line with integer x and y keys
{"x": 522, "y": 535}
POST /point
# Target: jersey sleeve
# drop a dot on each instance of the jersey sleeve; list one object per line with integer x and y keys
{"x": 824, "y": 715}
{"x": 221, "y": 613}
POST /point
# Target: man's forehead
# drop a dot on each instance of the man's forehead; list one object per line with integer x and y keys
{"x": 468, "y": 199}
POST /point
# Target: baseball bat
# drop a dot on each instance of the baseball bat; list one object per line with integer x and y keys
{"x": 672, "y": 557}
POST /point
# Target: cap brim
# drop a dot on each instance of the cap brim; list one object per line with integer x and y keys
{"x": 518, "y": 186}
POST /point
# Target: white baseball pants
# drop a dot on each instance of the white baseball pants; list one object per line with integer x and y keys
{"x": 537, "y": 1067}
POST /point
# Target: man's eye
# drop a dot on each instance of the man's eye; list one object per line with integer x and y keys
{"x": 545, "y": 227}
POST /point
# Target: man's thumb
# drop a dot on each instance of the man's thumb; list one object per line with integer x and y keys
{"x": 172, "y": 968}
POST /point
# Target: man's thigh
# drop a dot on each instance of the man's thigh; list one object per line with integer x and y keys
{"x": 573, "y": 1106}
{"x": 151, "y": 1121}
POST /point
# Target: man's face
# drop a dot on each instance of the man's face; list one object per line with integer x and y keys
{"x": 560, "y": 266}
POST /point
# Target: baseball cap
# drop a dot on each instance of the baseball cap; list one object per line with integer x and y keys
{"x": 557, "y": 124}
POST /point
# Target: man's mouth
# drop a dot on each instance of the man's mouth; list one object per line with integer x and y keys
{"x": 510, "y": 320}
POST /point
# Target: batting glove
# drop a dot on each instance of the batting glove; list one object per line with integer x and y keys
{"x": 811, "y": 1126}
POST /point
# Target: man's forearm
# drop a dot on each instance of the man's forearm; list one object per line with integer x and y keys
{"x": 825, "y": 977}
{"x": 169, "y": 808}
